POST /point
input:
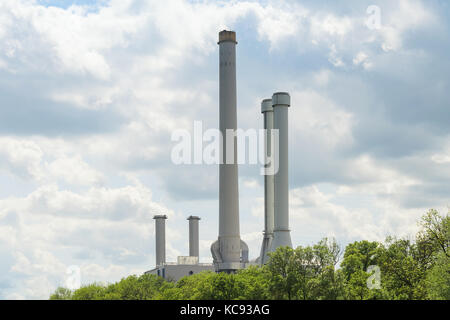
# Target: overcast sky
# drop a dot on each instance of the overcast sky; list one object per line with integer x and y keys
{"x": 90, "y": 92}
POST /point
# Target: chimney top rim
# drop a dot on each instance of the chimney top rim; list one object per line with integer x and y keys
{"x": 266, "y": 105}
{"x": 281, "y": 93}
{"x": 227, "y": 36}
{"x": 281, "y": 99}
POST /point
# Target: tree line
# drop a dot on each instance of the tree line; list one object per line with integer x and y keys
{"x": 395, "y": 269}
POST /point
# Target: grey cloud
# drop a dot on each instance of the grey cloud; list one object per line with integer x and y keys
{"x": 29, "y": 113}
{"x": 426, "y": 195}
{"x": 192, "y": 182}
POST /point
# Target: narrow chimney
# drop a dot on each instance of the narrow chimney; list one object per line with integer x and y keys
{"x": 229, "y": 251}
{"x": 267, "y": 111}
{"x": 282, "y": 237}
{"x": 160, "y": 239}
{"x": 193, "y": 236}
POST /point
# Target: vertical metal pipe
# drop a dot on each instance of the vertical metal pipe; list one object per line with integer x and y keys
{"x": 281, "y": 102}
{"x": 193, "y": 236}
{"x": 267, "y": 111}
{"x": 160, "y": 239}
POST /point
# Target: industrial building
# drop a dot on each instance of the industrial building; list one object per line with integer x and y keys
{"x": 185, "y": 265}
{"x": 229, "y": 252}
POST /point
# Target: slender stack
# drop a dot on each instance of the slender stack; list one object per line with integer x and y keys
{"x": 267, "y": 111}
{"x": 281, "y": 233}
{"x": 227, "y": 250}
{"x": 160, "y": 237}
{"x": 193, "y": 236}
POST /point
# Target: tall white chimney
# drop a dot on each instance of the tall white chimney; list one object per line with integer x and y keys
{"x": 229, "y": 252}
{"x": 193, "y": 236}
{"x": 282, "y": 237}
{"x": 160, "y": 239}
{"x": 267, "y": 111}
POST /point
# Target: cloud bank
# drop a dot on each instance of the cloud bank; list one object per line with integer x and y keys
{"x": 90, "y": 92}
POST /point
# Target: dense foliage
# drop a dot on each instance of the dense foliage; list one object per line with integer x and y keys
{"x": 395, "y": 269}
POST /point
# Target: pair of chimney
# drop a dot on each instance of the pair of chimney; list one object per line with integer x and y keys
{"x": 160, "y": 237}
{"x": 276, "y": 186}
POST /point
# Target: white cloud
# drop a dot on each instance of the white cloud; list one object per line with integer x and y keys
{"x": 278, "y": 24}
{"x": 334, "y": 57}
{"x": 326, "y": 25}
{"x": 21, "y": 157}
{"x": 320, "y": 119}
{"x": 130, "y": 202}
{"x": 74, "y": 171}
{"x": 322, "y": 77}
{"x": 362, "y": 59}
{"x": 77, "y": 39}
{"x": 25, "y": 158}
{"x": 441, "y": 158}
{"x": 108, "y": 226}
{"x": 407, "y": 16}
{"x": 250, "y": 183}
{"x": 315, "y": 215}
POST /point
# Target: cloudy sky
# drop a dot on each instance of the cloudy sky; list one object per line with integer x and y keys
{"x": 91, "y": 91}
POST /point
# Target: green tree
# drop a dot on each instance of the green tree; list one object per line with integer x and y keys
{"x": 254, "y": 283}
{"x": 144, "y": 287}
{"x": 188, "y": 288}
{"x": 205, "y": 285}
{"x": 92, "y": 291}
{"x": 358, "y": 256}
{"x": 436, "y": 231}
{"x": 438, "y": 279}
{"x": 325, "y": 282}
{"x": 328, "y": 285}
{"x": 306, "y": 273}
{"x": 283, "y": 273}
{"x": 435, "y": 236}
{"x": 225, "y": 287}
{"x": 402, "y": 273}
{"x": 61, "y": 294}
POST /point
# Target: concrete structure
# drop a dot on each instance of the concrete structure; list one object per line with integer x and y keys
{"x": 229, "y": 252}
{"x": 160, "y": 239}
{"x": 185, "y": 265}
{"x": 174, "y": 271}
{"x": 281, "y": 233}
{"x": 267, "y": 111}
{"x": 193, "y": 236}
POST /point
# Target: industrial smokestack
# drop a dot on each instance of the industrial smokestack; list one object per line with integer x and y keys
{"x": 282, "y": 237}
{"x": 193, "y": 236}
{"x": 267, "y": 111}
{"x": 160, "y": 237}
{"x": 228, "y": 248}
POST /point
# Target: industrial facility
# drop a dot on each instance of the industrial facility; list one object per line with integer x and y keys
{"x": 229, "y": 252}
{"x": 185, "y": 265}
